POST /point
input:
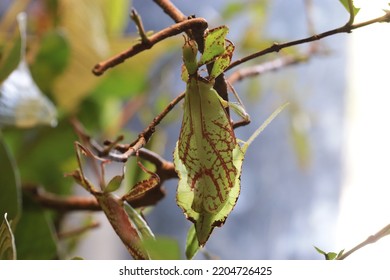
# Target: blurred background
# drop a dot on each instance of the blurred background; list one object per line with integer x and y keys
{"x": 315, "y": 177}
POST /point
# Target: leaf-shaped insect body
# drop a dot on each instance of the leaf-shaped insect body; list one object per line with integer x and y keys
{"x": 22, "y": 104}
{"x": 205, "y": 146}
{"x": 207, "y": 157}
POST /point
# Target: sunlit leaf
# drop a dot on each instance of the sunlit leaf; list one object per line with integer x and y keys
{"x": 7, "y": 242}
{"x": 115, "y": 16}
{"x": 214, "y": 44}
{"x": 346, "y": 6}
{"x": 86, "y": 33}
{"x": 9, "y": 183}
{"x": 329, "y": 255}
{"x": 222, "y": 62}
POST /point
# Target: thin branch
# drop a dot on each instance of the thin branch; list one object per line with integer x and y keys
{"x": 144, "y": 136}
{"x": 194, "y": 23}
{"x": 164, "y": 169}
{"x": 276, "y": 47}
{"x": 69, "y": 203}
{"x": 171, "y": 10}
{"x": 138, "y": 22}
{"x": 268, "y": 66}
{"x": 370, "y": 240}
{"x": 78, "y": 231}
{"x": 128, "y": 150}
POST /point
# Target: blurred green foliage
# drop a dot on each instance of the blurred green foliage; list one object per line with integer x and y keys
{"x": 66, "y": 38}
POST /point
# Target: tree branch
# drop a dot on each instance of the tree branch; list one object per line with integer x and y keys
{"x": 171, "y": 10}
{"x": 371, "y": 239}
{"x": 276, "y": 47}
{"x": 268, "y": 66}
{"x": 194, "y": 23}
{"x": 69, "y": 203}
{"x": 128, "y": 150}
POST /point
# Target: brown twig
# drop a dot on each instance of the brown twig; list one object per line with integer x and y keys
{"x": 268, "y": 66}
{"x": 78, "y": 231}
{"x": 69, "y": 203}
{"x": 171, "y": 10}
{"x": 283, "y": 61}
{"x": 276, "y": 47}
{"x": 164, "y": 169}
{"x": 138, "y": 22}
{"x": 128, "y": 150}
{"x": 194, "y": 23}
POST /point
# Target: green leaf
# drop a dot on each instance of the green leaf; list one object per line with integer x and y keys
{"x": 10, "y": 57}
{"x": 222, "y": 62}
{"x": 330, "y": 255}
{"x": 7, "y": 241}
{"x": 140, "y": 224}
{"x": 192, "y": 245}
{"x": 340, "y": 254}
{"x": 214, "y": 44}
{"x": 51, "y": 59}
{"x": 34, "y": 235}
{"x": 114, "y": 183}
{"x": 346, "y": 6}
{"x": 55, "y": 146}
{"x": 116, "y": 13}
{"x": 162, "y": 248}
{"x": 319, "y": 250}
{"x": 9, "y": 183}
